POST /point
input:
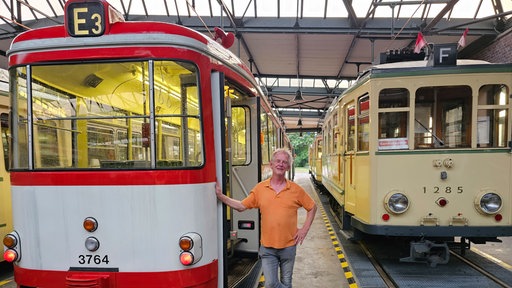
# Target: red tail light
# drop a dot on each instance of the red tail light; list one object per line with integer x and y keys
{"x": 10, "y": 255}
{"x": 186, "y": 258}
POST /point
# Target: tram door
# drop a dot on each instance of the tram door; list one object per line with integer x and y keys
{"x": 240, "y": 173}
{"x": 245, "y": 169}
{"x": 350, "y": 157}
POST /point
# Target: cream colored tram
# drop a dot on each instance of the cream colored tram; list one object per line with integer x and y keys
{"x": 315, "y": 160}
{"x": 5, "y": 182}
{"x": 421, "y": 149}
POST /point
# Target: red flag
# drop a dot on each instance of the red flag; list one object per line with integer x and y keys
{"x": 420, "y": 42}
{"x": 462, "y": 40}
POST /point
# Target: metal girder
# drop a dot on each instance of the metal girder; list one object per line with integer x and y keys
{"x": 351, "y": 27}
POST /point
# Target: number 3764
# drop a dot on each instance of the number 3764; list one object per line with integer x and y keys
{"x": 93, "y": 259}
{"x": 446, "y": 189}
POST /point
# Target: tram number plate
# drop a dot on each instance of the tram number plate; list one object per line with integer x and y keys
{"x": 443, "y": 189}
{"x": 92, "y": 259}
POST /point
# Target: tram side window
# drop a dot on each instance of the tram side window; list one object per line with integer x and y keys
{"x": 338, "y": 131}
{"x": 393, "y": 118}
{"x": 4, "y": 119}
{"x": 319, "y": 149}
{"x": 335, "y": 132}
{"x": 240, "y": 125}
{"x": 492, "y": 117}
{"x": 272, "y": 135}
{"x": 351, "y": 128}
{"x": 329, "y": 137}
{"x": 363, "y": 128}
{"x": 240, "y": 138}
{"x": 265, "y": 145}
{"x": 443, "y": 117}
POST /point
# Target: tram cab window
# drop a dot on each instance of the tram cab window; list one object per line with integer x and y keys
{"x": 443, "y": 117}
{"x": 492, "y": 122}
{"x": 112, "y": 115}
{"x": 393, "y": 119}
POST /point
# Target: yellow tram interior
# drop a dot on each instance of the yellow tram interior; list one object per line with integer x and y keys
{"x": 98, "y": 115}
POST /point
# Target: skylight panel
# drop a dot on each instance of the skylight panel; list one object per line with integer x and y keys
{"x": 244, "y": 8}
{"x": 335, "y": 9}
{"x": 288, "y": 8}
{"x": 404, "y": 9}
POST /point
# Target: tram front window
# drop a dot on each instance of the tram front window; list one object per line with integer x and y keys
{"x": 122, "y": 115}
{"x": 443, "y": 117}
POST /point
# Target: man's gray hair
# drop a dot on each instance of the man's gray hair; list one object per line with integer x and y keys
{"x": 285, "y": 151}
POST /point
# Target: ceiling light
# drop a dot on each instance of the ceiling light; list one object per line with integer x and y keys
{"x": 298, "y": 96}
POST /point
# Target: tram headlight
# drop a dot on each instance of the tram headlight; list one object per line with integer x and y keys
{"x": 92, "y": 244}
{"x": 488, "y": 202}
{"x": 191, "y": 245}
{"x": 396, "y": 202}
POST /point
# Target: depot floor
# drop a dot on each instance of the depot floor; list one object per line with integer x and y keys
{"x": 318, "y": 263}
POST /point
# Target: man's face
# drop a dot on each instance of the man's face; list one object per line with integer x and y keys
{"x": 280, "y": 164}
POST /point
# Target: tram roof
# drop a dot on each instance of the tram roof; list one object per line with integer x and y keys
{"x": 316, "y": 47}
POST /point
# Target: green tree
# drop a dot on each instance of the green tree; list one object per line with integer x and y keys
{"x": 300, "y": 144}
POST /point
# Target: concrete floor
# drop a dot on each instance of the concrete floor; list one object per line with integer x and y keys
{"x": 317, "y": 264}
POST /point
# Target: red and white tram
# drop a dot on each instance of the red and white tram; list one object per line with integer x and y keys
{"x": 120, "y": 131}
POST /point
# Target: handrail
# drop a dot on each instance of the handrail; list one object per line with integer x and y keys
{"x": 237, "y": 177}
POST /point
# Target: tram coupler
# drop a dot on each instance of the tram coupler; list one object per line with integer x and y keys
{"x": 426, "y": 251}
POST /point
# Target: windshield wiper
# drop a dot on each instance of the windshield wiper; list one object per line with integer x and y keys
{"x": 441, "y": 142}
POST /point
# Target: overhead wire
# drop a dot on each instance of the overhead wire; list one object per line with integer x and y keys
{"x": 200, "y": 18}
{"x": 405, "y": 24}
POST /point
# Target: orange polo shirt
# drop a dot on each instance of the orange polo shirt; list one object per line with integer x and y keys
{"x": 278, "y": 212}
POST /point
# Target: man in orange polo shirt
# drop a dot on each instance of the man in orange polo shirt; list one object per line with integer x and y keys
{"x": 278, "y": 200}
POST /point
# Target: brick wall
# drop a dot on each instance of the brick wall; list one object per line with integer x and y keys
{"x": 499, "y": 51}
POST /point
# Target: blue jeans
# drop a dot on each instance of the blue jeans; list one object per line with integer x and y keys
{"x": 273, "y": 259}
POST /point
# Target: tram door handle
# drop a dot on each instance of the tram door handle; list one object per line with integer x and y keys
{"x": 237, "y": 177}
{"x": 349, "y": 157}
